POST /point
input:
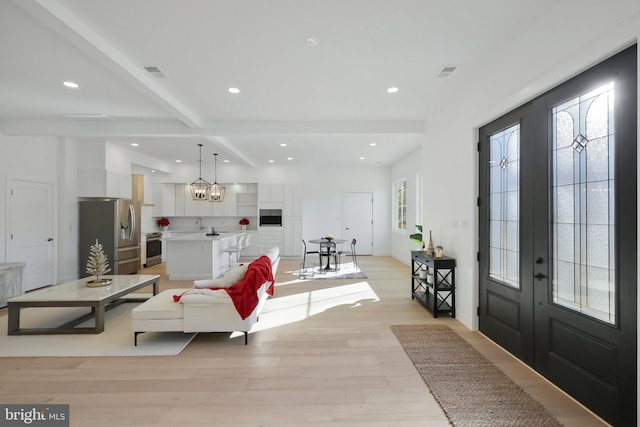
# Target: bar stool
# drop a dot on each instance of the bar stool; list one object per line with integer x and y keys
{"x": 235, "y": 249}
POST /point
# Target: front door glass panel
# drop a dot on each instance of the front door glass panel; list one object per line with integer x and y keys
{"x": 504, "y": 211}
{"x": 583, "y": 273}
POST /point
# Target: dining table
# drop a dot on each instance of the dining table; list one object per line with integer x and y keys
{"x": 325, "y": 239}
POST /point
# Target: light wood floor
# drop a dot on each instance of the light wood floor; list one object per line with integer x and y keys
{"x": 321, "y": 354}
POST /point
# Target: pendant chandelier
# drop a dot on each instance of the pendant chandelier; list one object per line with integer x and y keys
{"x": 200, "y": 187}
{"x": 216, "y": 191}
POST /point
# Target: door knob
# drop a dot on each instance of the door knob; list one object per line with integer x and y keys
{"x": 539, "y": 276}
{"x": 539, "y": 260}
{"x": 50, "y": 239}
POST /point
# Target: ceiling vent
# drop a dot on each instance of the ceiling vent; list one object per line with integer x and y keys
{"x": 155, "y": 71}
{"x": 447, "y": 70}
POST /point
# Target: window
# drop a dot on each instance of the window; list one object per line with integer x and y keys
{"x": 419, "y": 198}
{"x": 400, "y": 205}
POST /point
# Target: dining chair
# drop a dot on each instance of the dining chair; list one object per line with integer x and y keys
{"x": 305, "y": 252}
{"x": 328, "y": 249}
{"x": 351, "y": 253}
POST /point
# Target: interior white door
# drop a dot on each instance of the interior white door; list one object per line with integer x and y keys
{"x": 358, "y": 221}
{"x": 30, "y": 230}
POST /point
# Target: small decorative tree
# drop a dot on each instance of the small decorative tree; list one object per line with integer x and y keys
{"x": 97, "y": 264}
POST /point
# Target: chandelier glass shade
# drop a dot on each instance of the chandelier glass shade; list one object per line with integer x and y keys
{"x": 200, "y": 189}
{"x": 216, "y": 191}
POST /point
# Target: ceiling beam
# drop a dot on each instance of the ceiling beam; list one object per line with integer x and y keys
{"x": 103, "y": 128}
{"x": 66, "y": 24}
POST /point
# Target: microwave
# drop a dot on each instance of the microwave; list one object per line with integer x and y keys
{"x": 270, "y": 217}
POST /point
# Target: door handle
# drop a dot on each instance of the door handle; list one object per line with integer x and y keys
{"x": 50, "y": 239}
{"x": 539, "y": 276}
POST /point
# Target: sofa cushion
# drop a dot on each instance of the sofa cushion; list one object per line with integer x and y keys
{"x": 231, "y": 277}
{"x": 273, "y": 253}
{"x": 160, "y": 306}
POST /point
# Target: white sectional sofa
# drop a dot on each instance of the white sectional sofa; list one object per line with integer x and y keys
{"x": 200, "y": 309}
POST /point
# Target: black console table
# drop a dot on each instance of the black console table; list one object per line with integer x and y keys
{"x": 439, "y": 296}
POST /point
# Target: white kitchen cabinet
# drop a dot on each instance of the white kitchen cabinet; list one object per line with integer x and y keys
{"x": 269, "y": 237}
{"x": 270, "y": 192}
{"x": 104, "y": 183}
{"x": 292, "y": 200}
{"x": 164, "y": 200}
{"x": 247, "y": 200}
{"x": 179, "y": 188}
{"x": 292, "y": 235}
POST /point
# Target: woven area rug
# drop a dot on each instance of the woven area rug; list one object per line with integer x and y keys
{"x": 346, "y": 271}
{"x": 471, "y": 390}
{"x": 116, "y": 340}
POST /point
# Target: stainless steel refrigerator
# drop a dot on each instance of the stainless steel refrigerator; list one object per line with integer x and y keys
{"x": 115, "y": 224}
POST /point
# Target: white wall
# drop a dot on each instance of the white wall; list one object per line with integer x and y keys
{"x": 27, "y": 158}
{"x": 408, "y": 168}
{"x": 50, "y": 160}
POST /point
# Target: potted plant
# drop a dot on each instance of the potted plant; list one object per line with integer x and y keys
{"x": 244, "y": 222}
{"x": 163, "y": 223}
{"x": 417, "y": 237}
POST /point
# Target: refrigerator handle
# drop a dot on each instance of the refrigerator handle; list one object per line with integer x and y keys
{"x": 133, "y": 225}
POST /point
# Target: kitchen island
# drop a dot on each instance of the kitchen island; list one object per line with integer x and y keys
{"x": 194, "y": 256}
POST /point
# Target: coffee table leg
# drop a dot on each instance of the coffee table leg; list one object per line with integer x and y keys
{"x": 13, "y": 322}
{"x": 98, "y": 312}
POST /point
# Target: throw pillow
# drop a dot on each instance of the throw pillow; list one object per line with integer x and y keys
{"x": 231, "y": 277}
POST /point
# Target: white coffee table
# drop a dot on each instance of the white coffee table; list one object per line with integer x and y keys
{"x": 78, "y": 294}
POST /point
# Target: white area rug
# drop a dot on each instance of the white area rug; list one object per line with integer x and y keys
{"x": 116, "y": 340}
{"x": 347, "y": 270}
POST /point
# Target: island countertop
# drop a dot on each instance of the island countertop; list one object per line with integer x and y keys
{"x": 188, "y": 235}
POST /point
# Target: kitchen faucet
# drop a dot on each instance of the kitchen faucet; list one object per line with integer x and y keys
{"x": 200, "y": 220}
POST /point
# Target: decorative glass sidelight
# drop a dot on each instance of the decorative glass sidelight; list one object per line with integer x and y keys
{"x": 583, "y": 273}
{"x": 504, "y": 206}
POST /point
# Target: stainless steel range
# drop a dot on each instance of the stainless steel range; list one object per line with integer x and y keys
{"x": 154, "y": 248}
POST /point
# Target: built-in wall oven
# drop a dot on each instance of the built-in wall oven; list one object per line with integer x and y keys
{"x": 270, "y": 217}
{"x": 154, "y": 248}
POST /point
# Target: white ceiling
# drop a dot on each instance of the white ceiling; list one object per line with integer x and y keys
{"x": 328, "y": 103}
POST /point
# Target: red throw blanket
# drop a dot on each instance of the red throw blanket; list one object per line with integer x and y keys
{"x": 244, "y": 294}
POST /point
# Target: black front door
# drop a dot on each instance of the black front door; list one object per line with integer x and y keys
{"x": 558, "y": 235}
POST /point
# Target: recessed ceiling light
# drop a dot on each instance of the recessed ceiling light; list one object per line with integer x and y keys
{"x": 289, "y": 158}
{"x": 392, "y": 89}
{"x": 283, "y": 145}
{"x": 226, "y": 161}
{"x": 71, "y": 85}
{"x": 271, "y": 161}
{"x": 373, "y": 144}
{"x": 135, "y": 144}
{"x": 153, "y": 171}
{"x": 361, "y": 158}
{"x": 312, "y": 41}
{"x": 178, "y": 161}
{"x": 234, "y": 90}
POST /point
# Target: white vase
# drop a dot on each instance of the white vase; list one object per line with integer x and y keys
{"x": 244, "y": 227}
